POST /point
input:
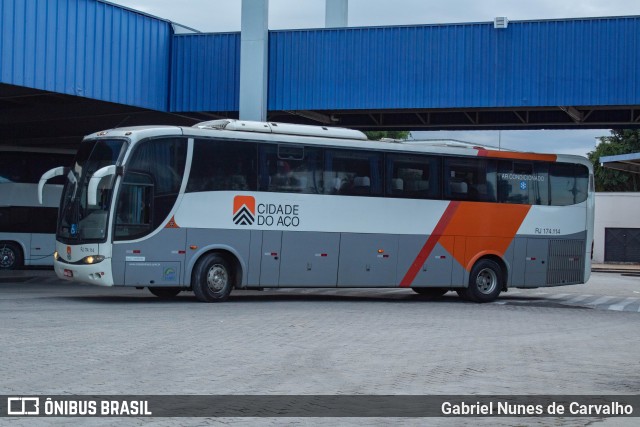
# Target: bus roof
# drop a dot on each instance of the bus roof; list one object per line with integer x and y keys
{"x": 283, "y": 129}
{"x": 330, "y": 136}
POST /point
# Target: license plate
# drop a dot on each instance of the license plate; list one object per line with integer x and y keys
{"x": 68, "y": 273}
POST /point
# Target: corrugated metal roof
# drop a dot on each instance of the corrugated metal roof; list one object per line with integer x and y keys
{"x": 86, "y": 48}
{"x": 97, "y": 50}
{"x": 530, "y": 63}
{"x": 206, "y": 72}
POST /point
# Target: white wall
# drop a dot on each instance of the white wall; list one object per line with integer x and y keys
{"x": 615, "y": 210}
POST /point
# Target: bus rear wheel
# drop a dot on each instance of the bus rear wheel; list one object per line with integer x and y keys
{"x": 10, "y": 256}
{"x": 212, "y": 279}
{"x": 485, "y": 282}
{"x": 431, "y": 292}
{"x": 165, "y": 292}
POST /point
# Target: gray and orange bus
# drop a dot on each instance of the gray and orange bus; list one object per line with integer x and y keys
{"x": 235, "y": 204}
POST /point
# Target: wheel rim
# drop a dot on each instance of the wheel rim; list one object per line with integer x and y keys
{"x": 217, "y": 278}
{"x": 7, "y": 257}
{"x": 486, "y": 281}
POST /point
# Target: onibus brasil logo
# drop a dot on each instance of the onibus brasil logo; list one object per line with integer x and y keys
{"x": 247, "y": 212}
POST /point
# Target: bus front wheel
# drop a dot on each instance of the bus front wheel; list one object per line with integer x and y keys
{"x": 485, "y": 282}
{"x": 10, "y": 256}
{"x": 212, "y": 279}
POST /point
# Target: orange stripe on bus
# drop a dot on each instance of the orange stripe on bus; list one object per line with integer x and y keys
{"x": 486, "y": 228}
{"x": 517, "y": 156}
{"x": 411, "y": 274}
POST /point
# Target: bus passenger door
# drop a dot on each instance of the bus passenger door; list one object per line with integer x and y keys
{"x": 271, "y": 255}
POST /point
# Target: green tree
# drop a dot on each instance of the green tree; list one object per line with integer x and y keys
{"x": 621, "y": 141}
{"x": 376, "y": 135}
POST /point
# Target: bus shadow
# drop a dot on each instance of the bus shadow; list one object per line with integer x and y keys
{"x": 128, "y": 296}
{"x": 258, "y": 297}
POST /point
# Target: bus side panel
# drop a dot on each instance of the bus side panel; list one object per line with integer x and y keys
{"x": 310, "y": 259}
{"x": 255, "y": 258}
{"x": 408, "y": 250}
{"x": 42, "y": 248}
{"x": 440, "y": 263}
{"x": 270, "y": 258}
{"x": 156, "y": 261}
{"x": 458, "y": 271}
{"x": 536, "y": 262}
{"x": 438, "y": 267}
{"x": 368, "y": 260}
{"x": 517, "y": 273}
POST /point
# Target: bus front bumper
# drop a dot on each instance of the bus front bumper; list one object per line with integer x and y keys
{"x": 93, "y": 274}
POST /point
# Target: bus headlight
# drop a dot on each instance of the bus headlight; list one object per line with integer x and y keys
{"x": 55, "y": 255}
{"x": 92, "y": 259}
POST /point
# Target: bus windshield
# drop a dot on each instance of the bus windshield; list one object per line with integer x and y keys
{"x": 79, "y": 221}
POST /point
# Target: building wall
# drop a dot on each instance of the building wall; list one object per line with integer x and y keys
{"x": 575, "y": 62}
{"x": 86, "y": 48}
{"x": 205, "y": 72}
{"x": 98, "y": 50}
{"x": 619, "y": 210}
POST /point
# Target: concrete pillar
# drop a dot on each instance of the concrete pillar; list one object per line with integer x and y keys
{"x": 336, "y": 13}
{"x": 254, "y": 59}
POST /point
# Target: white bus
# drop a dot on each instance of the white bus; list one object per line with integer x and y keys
{"x": 235, "y": 204}
{"x": 27, "y": 228}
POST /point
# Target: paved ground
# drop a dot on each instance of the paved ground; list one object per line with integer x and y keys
{"x": 60, "y": 338}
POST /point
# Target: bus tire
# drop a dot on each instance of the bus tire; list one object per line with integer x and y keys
{"x": 164, "y": 292}
{"x": 431, "y": 292}
{"x": 485, "y": 282}
{"x": 10, "y": 256}
{"x": 212, "y": 278}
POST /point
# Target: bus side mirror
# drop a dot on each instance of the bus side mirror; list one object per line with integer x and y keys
{"x": 92, "y": 192}
{"x": 46, "y": 177}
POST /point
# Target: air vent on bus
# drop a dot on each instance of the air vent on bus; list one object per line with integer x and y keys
{"x": 282, "y": 128}
{"x": 566, "y": 262}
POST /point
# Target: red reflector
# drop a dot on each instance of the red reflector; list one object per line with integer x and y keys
{"x": 182, "y": 252}
{"x": 274, "y": 253}
{"x": 323, "y": 254}
{"x": 136, "y": 251}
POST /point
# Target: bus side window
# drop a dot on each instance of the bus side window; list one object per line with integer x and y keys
{"x": 353, "y": 173}
{"x": 222, "y": 166}
{"x": 472, "y": 179}
{"x": 413, "y": 177}
{"x": 290, "y": 169}
{"x": 568, "y": 184}
{"x": 523, "y": 182}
